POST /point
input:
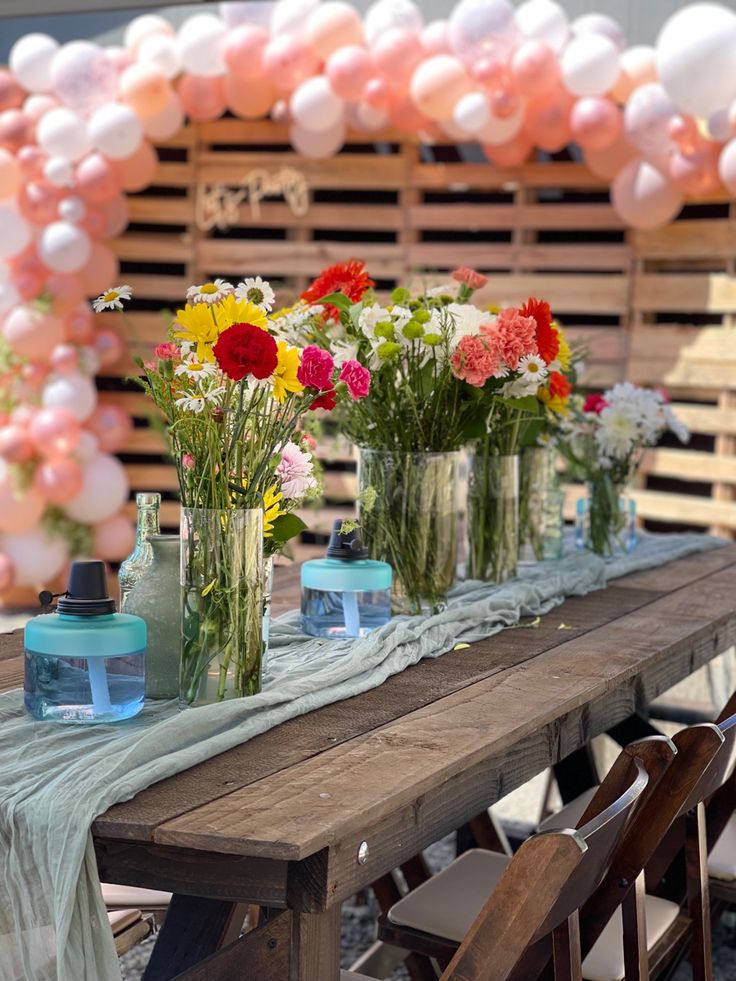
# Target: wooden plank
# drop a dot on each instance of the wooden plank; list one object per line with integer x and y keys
{"x": 567, "y": 294}
{"x": 691, "y": 465}
{"x": 289, "y": 258}
{"x": 696, "y": 293}
{"x": 265, "y": 950}
{"x": 501, "y": 217}
{"x": 484, "y": 177}
{"x": 707, "y": 419}
{"x": 359, "y": 171}
{"x": 139, "y": 247}
{"x": 485, "y": 256}
{"x": 713, "y": 238}
{"x": 160, "y": 210}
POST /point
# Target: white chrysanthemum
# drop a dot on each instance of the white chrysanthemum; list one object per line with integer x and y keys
{"x": 112, "y": 299}
{"x": 519, "y": 388}
{"x": 343, "y": 351}
{"x": 370, "y": 317}
{"x": 446, "y": 289}
{"x": 675, "y": 424}
{"x": 257, "y": 291}
{"x": 197, "y": 403}
{"x": 533, "y": 369}
{"x": 400, "y": 317}
{"x": 195, "y": 369}
{"x": 465, "y": 319}
{"x": 209, "y": 292}
{"x": 617, "y": 434}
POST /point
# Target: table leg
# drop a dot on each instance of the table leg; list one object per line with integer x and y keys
{"x": 315, "y": 946}
{"x": 193, "y": 929}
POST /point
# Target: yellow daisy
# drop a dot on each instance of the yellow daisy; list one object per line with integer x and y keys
{"x": 284, "y": 378}
{"x": 197, "y": 327}
{"x": 271, "y": 509}
{"x": 233, "y": 311}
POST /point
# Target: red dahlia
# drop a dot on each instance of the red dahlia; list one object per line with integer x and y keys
{"x": 350, "y": 278}
{"x": 548, "y": 343}
{"x": 245, "y": 349}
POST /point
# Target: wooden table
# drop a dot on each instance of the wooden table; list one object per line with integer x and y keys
{"x": 302, "y": 817}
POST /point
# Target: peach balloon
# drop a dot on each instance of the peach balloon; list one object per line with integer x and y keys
{"x": 243, "y": 51}
{"x": 79, "y": 324}
{"x": 7, "y": 573}
{"x": 166, "y": 123}
{"x": 113, "y": 541}
{"x": 683, "y": 130}
{"x": 64, "y": 357}
{"x": 333, "y": 25}
{"x": 348, "y": 70}
{"x": 504, "y": 102}
{"x": 111, "y": 426}
{"x": 37, "y": 105}
{"x": 548, "y": 121}
{"x": 34, "y": 375}
{"x": 137, "y": 172}
{"x": 28, "y": 273}
{"x": 396, "y": 55}
{"x": 97, "y": 179}
{"x": 406, "y": 117}
{"x": 696, "y": 173}
{"x": 437, "y": 84}
{"x": 596, "y": 122}
{"x": 109, "y": 347}
{"x": 202, "y": 98}
{"x": 249, "y": 100}
{"x": 435, "y": 37}
{"x": 116, "y": 214}
{"x": 29, "y": 333}
{"x": 607, "y": 163}
{"x": 378, "y": 94}
{"x": 511, "y": 154}
{"x": 55, "y": 432}
{"x": 638, "y": 67}
{"x": 101, "y": 270}
{"x": 145, "y": 89}
{"x": 31, "y": 160}
{"x": 66, "y": 292}
{"x": 286, "y": 62}
{"x": 534, "y": 67}
{"x": 10, "y": 174}
{"x": 11, "y": 93}
{"x": 644, "y": 197}
{"x": 20, "y": 510}
{"x": 490, "y": 70}
{"x": 58, "y": 480}
{"x": 23, "y": 415}
{"x": 16, "y": 129}
{"x": 38, "y": 201}
{"x": 94, "y": 222}
{"x": 15, "y": 444}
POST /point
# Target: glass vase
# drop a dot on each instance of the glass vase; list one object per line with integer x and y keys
{"x": 541, "y": 500}
{"x": 408, "y": 517}
{"x": 605, "y": 520}
{"x": 267, "y": 594}
{"x": 222, "y": 593}
{"x": 492, "y": 517}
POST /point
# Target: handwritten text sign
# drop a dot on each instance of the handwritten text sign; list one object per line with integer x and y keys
{"x": 218, "y": 205}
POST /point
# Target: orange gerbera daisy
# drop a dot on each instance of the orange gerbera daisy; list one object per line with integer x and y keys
{"x": 350, "y": 278}
{"x": 548, "y": 341}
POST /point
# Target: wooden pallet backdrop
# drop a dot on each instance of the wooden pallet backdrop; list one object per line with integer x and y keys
{"x": 656, "y": 307}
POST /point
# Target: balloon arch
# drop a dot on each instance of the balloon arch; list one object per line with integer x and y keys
{"x": 77, "y": 124}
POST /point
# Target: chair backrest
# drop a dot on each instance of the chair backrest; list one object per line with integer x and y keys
{"x": 720, "y": 769}
{"x": 550, "y": 876}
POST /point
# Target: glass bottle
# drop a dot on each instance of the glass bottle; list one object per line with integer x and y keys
{"x": 132, "y": 568}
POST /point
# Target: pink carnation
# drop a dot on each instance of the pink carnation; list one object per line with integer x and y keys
{"x": 514, "y": 335}
{"x": 470, "y": 278}
{"x": 167, "y": 351}
{"x": 187, "y": 461}
{"x": 316, "y": 368}
{"x": 357, "y": 378}
{"x": 475, "y": 360}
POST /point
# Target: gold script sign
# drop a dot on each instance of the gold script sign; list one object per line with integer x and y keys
{"x": 218, "y": 205}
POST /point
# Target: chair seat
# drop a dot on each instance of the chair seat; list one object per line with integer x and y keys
{"x": 117, "y": 897}
{"x": 722, "y": 859}
{"x": 605, "y": 962}
{"x": 121, "y": 919}
{"x": 350, "y": 976}
{"x": 569, "y": 815}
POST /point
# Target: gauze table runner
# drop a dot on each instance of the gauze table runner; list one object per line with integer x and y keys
{"x": 55, "y": 780}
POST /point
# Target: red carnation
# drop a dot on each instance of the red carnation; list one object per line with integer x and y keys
{"x": 548, "y": 342}
{"x": 245, "y": 349}
{"x": 350, "y": 278}
{"x": 595, "y": 403}
{"x": 327, "y": 400}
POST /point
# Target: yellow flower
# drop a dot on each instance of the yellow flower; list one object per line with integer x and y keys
{"x": 233, "y": 311}
{"x": 555, "y": 403}
{"x": 563, "y": 355}
{"x": 271, "y": 509}
{"x": 284, "y": 378}
{"x": 198, "y": 327}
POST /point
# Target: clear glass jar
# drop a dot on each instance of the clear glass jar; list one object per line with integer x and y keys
{"x": 132, "y": 568}
{"x": 605, "y": 520}
{"x": 541, "y": 501}
{"x": 408, "y": 518}
{"x": 492, "y": 517}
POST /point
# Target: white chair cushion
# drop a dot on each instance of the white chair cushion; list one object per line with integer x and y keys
{"x": 605, "y": 962}
{"x": 722, "y": 859}
{"x": 117, "y": 897}
{"x": 447, "y": 904}
{"x": 121, "y": 919}
{"x": 569, "y": 815}
{"x": 349, "y": 976}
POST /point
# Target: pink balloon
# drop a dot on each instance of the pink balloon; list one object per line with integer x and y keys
{"x": 348, "y": 70}
{"x": 37, "y": 105}
{"x": 16, "y": 129}
{"x": 638, "y": 67}
{"x": 55, "y": 432}
{"x": 114, "y": 539}
{"x": 397, "y": 54}
{"x": 378, "y": 94}
{"x": 38, "y": 201}
{"x": 438, "y": 84}
{"x": 243, "y": 51}
{"x": 27, "y": 273}
{"x": 511, "y": 154}
{"x": 7, "y": 574}
{"x": 683, "y": 130}
{"x": 32, "y": 334}
{"x": 97, "y": 179}
{"x": 23, "y": 415}
{"x": 490, "y": 70}
{"x": 406, "y": 117}
{"x": 596, "y": 122}
{"x": 333, "y": 25}
{"x": 10, "y": 174}
{"x": 696, "y": 173}
{"x": 111, "y": 426}
{"x": 607, "y": 163}
{"x": 137, "y": 172}
{"x": 94, "y": 222}
{"x": 166, "y": 123}
{"x": 101, "y": 270}
{"x": 435, "y": 38}
{"x": 280, "y": 112}
{"x": 548, "y": 121}
{"x": 34, "y": 375}
{"x": 64, "y": 358}
{"x": 31, "y": 160}
{"x": 643, "y": 197}
{"x": 534, "y": 67}
{"x": 19, "y": 510}
{"x": 504, "y": 102}
{"x": 116, "y": 215}
{"x": 58, "y": 480}
{"x": 202, "y": 99}
{"x": 79, "y": 324}
{"x": 109, "y": 347}
{"x": 66, "y": 292}
{"x": 249, "y": 100}
{"x": 15, "y": 444}
{"x": 145, "y": 89}
{"x": 11, "y": 93}
{"x": 287, "y": 62}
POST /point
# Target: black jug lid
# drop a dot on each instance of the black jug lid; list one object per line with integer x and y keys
{"x": 345, "y": 542}
{"x": 86, "y": 594}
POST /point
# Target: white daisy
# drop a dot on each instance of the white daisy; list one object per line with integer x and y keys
{"x": 197, "y": 403}
{"x": 209, "y": 292}
{"x": 195, "y": 369}
{"x": 257, "y": 291}
{"x": 533, "y": 369}
{"x": 112, "y": 299}
{"x": 617, "y": 433}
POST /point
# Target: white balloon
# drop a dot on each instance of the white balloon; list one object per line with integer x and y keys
{"x": 104, "y": 491}
{"x": 590, "y": 65}
{"x": 320, "y": 144}
{"x": 237, "y": 12}
{"x": 63, "y": 133}
{"x": 30, "y": 61}
{"x": 162, "y": 52}
{"x": 543, "y": 20}
{"x": 719, "y": 128}
{"x": 116, "y": 131}
{"x": 368, "y": 118}
{"x": 72, "y": 209}
{"x": 500, "y": 129}
{"x": 200, "y": 40}
{"x": 82, "y": 77}
{"x": 63, "y": 247}
{"x": 696, "y": 58}
{"x": 87, "y": 447}
{"x": 15, "y": 232}
{"x": 643, "y": 196}
{"x": 315, "y": 107}
{"x": 646, "y": 118}
{"x": 166, "y": 123}
{"x": 9, "y": 296}
{"x": 145, "y": 26}
{"x": 37, "y": 557}
{"x": 727, "y": 166}
{"x": 482, "y": 27}
{"x": 472, "y": 112}
{"x": 291, "y": 16}
{"x": 600, "y": 24}
{"x": 72, "y": 391}
{"x": 59, "y": 172}
{"x": 387, "y": 14}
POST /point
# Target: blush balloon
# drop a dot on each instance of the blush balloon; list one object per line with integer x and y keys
{"x": 145, "y": 89}
{"x": 37, "y": 556}
{"x": 435, "y": 37}
{"x": 75, "y": 392}
{"x": 406, "y": 117}
{"x": 11, "y": 93}
{"x": 58, "y": 481}
{"x": 101, "y": 269}
{"x": 644, "y": 197}
{"x": 64, "y": 358}
{"x": 683, "y": 130}
{"x": 143, "y": 27}
{"x": 94, "y": 222}
{"x": 37, "y": 106}
{"x": 111, "y": 427}
{"x": 318, "y": 144}
{"x": 31, "y": 160}
{"x": 504, "y": 102}
{"x": 287, "y": 62}
{"x": 511, "y": 154}
{"x": 348, "y": 70}
{"x": 97, "y": 180}
{"x": 438, "y": 84}
{"x": 109, "y": 347}
{"x": 19, "y": 510}
{"x": 166, "y": 123}
{"x": 534, "y": 67}
{"x": 333, "y": 25}
{"x": 15, "y": 444}
{"x": 34, "y": 375}
{"x": 638, "y": 67}
{"x": 10, "y": 174}
{"x": 116, "y": 215}
{"x": 66, "y": 292}
{"x": 136, "y": 172}
{"x": 397, "y": 55}
{"x": 79, "y": 325}
{"x": 202, "y": 98}
{"x": 38, "y": 201}
{"x": 727, "y": 166}
{"x": 646, "y": 121}
{"x": 29, "y": 333}
{"x": 607, "y": 163}
{"x": 7, "y": 573}
{"x": 113, "y": 540}
{"x": 16, "y": 129}
{"x": 103, "y": 493}
{"x": 378, "y": 94}
{"x": 595, "y": 122}
{"x": 249, "y": 100}
{"x": 696, "y": 173}
{"x": 548, "y": 121}
{"x": 243, "y": 51}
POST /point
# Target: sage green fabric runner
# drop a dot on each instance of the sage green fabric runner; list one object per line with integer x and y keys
{"x": 54, "y": 780}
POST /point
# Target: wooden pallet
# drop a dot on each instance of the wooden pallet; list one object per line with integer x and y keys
{"x": 656, "y": 307}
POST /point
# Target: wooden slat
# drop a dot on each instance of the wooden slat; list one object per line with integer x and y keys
{"x": 689, "y": 465}
{"x": 502, "y": 217}
{"x": 667, "y": 292}
{"x": 355, "y": 171}
{"x": 686, "y": 239}
{"x": 484, "y": 177}
{"x": 290, "y": 258}
{"x": 566, "y": 293}
{"x": 483, "y": 256}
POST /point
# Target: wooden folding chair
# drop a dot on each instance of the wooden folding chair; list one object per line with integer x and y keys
{"x": 506, "y": 906}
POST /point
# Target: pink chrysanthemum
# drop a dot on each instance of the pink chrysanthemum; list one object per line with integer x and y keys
{"x": 514, "y": 335}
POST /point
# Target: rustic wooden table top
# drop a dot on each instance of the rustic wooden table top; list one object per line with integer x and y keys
{"x": 398, "y": 767}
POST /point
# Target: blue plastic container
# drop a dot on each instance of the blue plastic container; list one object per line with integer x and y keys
{"x": 85, "y": 662}
{"x": 346, "y": 594}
